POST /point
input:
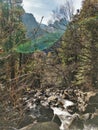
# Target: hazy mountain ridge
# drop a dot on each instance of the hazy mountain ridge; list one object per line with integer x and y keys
{"x": 35, "y": 29}
{"x": 32, "y": 26}
{"x": 59, "y": 25}
{"x": 43, "y": 37}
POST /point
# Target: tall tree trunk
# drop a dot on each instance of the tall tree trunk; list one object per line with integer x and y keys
{"x": 12, "y": 67}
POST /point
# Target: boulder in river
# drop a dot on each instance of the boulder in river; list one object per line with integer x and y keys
{"x": 42, "y": 126}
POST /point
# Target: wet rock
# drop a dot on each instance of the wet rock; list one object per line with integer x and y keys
{"x": 42, "y": 126}
{"x": 93, "y": 104}
{"x": 93, "y": 121}
{"x": 77, "y": 124}
{"x": 26, "y": 121}
{"x": 94, "y": 101}
{"x": 46, "y": 114}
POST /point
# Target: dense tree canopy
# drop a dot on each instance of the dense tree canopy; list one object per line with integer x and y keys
{"x": 80, "y": 49}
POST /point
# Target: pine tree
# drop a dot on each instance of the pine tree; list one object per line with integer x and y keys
{"x": 12, "y": 31}
{"x": 79, "y": 47}
{"x": 88, "y": 71}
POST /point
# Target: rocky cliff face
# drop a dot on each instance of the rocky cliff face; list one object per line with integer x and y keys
{"x": 32, "y": 26}
{"x": 34, "y": 29}
{"x": 59, "y": 25}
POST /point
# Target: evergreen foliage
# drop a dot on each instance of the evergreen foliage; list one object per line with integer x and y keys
{"x": 12, "y": 31}
{"x": 80, "y": 47}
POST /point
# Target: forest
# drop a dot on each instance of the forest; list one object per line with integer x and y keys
{"x": 41, "y": 71}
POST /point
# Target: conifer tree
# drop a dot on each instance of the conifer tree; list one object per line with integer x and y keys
{"x": 12, "y": 30}
{"x": 80, "y": 49}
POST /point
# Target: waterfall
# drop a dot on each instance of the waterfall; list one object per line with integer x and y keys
{"x": 65, "y": 117}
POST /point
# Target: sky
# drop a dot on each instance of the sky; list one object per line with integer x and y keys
{"x": 44, "y": 8}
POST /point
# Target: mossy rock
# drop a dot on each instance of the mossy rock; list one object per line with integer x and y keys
{"x": 42, "y": 126}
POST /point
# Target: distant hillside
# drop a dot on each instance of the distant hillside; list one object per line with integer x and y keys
{"x": 47, "y": 28}
{"x": 34, "y": 29}
{"x": 42, "y": 43}
{"x": 59, "y": 25}
{"x": 42, "y": 36}
{"x": 32, "y": 26}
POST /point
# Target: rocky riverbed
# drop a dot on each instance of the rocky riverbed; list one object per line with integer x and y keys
{"x": 70, "y": 109}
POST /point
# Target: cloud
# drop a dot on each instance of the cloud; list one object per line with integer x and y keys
{"x": 44, "y": 8}
{"x": 39, "y": 8}
{"x": 58, "y": 2}
{"x": 77, "y": 4}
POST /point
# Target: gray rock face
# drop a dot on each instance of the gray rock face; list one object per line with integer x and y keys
{"x": 59, "y": 25}
{"x": 32, "y": 26}
{"x": 35, "y": 29}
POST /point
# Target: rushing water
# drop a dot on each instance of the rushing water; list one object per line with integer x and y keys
{"x": 64, "y": 119}
{"x": 63, "y": 111}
